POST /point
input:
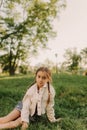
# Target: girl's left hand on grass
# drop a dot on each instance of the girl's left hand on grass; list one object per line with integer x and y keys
{"x": 58, "y": 120}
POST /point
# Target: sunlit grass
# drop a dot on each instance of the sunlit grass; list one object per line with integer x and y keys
{"x": 70, "y": 100}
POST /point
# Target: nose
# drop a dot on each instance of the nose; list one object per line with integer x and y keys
{"x": 40, "y": 79}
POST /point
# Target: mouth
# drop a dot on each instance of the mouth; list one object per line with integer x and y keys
{"x": 40, "y": 83}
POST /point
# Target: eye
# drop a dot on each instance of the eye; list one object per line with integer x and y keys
{"x": 38, "y": 76}
{"x": 44, "y": 77}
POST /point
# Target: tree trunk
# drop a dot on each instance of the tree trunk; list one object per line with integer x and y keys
{"x": 11, "y": 71}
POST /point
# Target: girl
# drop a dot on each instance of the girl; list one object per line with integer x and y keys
{"x": 38, "y": 100}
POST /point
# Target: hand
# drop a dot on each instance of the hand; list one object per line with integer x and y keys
{"x": 59, "y": 120}
{"x": 24, "y": 126}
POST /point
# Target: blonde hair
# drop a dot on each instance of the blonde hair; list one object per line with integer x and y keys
{"x": 48, "y": 73}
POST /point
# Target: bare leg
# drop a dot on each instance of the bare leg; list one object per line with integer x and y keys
{"x": 10, "y": 117}
{"x": 11, "y": 124}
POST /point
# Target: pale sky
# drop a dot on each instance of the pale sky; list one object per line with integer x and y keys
{"x": 72, "y": 32}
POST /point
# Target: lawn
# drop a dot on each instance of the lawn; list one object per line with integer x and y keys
{"x": 70, "y": 100}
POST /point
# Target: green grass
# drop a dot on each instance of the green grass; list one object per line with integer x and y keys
{"x": 70, "y": 100}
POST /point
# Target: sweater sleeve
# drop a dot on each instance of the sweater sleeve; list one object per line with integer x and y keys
{"x": 50, "y": 107}
{"x": 25, "y": 109}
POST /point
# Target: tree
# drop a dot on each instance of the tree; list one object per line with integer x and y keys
{"x": 22, "y": 33}
{"x": 73, "y": 59}
{"x": 84, "y": 55}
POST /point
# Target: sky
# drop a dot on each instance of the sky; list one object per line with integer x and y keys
{"x": 71, "y": 28}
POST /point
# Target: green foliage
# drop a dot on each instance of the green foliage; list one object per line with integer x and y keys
{"x": 73, "y": 60}
{"x": 84, "y": 55}
{"x": 23, "y": 69}
{"x": 70, "y": 100}
{"x": 23, "y": 32}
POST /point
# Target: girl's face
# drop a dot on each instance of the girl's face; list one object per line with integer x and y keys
{"x": 41, "y": 79}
